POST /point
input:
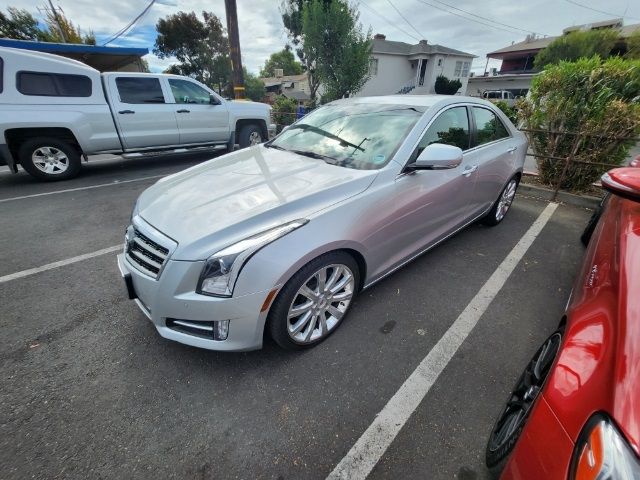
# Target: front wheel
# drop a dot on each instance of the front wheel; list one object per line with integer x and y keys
{"x": 313, "y": 303}
{"x": 502, "y": 204}
{"x": 49, "y": 159}
{"x": 250, "y": 135}
{"x": 511, "y": 421}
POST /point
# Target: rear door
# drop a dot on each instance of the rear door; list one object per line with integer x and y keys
{"x": 199, "y": 121}
{"x": 494, "y": 151}
{"x": 143, "y": 114}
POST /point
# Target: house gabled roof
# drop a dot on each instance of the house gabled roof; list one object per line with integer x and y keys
{"x": 270, "y": 81}
{"x": 402, "y": 48}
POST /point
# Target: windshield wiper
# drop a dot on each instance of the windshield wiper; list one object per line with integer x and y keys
{"x": 318, "y": 156}
{"x": 277, "y": 147}
{"x": 325, "y": 133}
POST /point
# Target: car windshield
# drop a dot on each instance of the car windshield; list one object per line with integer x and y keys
{"x": 360, "y": 136}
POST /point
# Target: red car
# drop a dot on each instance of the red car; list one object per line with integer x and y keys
{"x": 575, "y": 411}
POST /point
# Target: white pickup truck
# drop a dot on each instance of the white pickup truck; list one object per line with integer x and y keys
{"x": 56, "y": 111}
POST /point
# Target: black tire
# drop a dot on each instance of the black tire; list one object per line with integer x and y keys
{"x": 30, "y": 147}
{"x": 514, "y": 415}
{"x": 247, "y": 133}
{"x": 492, "y": 218}
{"x": 593, "y": 221}
{"x": 278, "y": 315}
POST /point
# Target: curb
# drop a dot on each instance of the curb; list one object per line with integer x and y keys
{"x": 583, "y": 201}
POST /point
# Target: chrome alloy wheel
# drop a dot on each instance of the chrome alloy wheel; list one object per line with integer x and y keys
{"x": 50, "y": 160}
{"x": 320, "y": 303}
{"x": 506, "y": 199}
{"x": 255, "y": 138}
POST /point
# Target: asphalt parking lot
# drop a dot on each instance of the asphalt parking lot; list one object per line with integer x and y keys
{"x": 88, "y": 389}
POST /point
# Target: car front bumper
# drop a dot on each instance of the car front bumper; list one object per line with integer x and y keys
{"x": 172, "y": 297}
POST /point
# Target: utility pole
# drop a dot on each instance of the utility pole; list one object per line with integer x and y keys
{"x": 234, "y": 44}
{"x": 55, "y": 16}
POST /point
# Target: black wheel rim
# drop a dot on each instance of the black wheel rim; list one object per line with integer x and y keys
{"x": 525, "y": 393}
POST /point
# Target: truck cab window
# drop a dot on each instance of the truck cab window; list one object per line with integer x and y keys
{"x": 137, "y": 90}
{"x": 188, "y": 92}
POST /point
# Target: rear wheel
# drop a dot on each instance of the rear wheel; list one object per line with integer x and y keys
{"x": 313, "y": 303}
{"x": 250, "y": 135}
{"x": 511, "y": 421}
{"x": 49, "y": 159}
{"x": 502, "y": 204}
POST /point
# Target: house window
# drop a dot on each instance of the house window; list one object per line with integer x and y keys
{"x": 458, "y": 70}
{"x": 439, "y": 62}
{"x": 373, "y": 66}
{"x": 465, "y": 69}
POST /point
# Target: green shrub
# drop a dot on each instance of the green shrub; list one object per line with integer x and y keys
{"x": 444, "y": 86}
{"x": 284, "y": 111}
{"x": 510, "y": 112}
{"x": 585, "y": 110}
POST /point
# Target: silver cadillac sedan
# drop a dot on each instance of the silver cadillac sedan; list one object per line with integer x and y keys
{"x": 282, "y": 236}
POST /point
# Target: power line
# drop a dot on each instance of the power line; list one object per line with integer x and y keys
{"x": 404, "y": 18}
{"x": 375, "y": 12}
{"x": 600, "y": 11}
{"x": 470, "y": 19}
{"x": 489, "y": 19}
{"x": 130, "y": 24}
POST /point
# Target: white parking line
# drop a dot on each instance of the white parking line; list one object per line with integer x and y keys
{"x": 89, "y": 187}
{"x": 61, "y": 263}
{"x": 370, "y": 447}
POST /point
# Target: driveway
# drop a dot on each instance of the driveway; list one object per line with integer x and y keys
{"x": 90, "y": 390}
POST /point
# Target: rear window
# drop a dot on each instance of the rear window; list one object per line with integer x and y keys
{"x": 53, "y": 84}
{"x": 139, "y": 90}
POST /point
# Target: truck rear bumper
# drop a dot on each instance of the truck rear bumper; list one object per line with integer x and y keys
{"x": 6, "y": 158}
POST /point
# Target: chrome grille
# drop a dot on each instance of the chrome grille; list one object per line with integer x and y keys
{"x": 146, "y": 255}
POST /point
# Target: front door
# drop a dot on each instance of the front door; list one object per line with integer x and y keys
{"x": 199, "y": 120}
{"x": 423, "y": 69}
{"x": 142, "y": 114}
{"x": 425, "y": 206}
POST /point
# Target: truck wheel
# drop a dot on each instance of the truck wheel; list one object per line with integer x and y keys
{"x": 49, "y": 159}
{"x": 250, "y": 135}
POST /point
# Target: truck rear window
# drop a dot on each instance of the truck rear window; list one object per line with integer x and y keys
{"x": 53, "y": 84}
{"x": 139, "y": 90}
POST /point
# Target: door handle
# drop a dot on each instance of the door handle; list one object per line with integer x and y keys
{"x": 122, "y": 112}
{"x": 469, "y": 170}
{"x": 184, "y": 110}
{"x": 511, "y": 150}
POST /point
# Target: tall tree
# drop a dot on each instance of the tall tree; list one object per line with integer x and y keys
{"x": 18, "y": 24}
{"x": 21, "y": 25}
{"x": 577, "y": 45}
{"x": 283, "y": 59}
{"x": 333, "y": 39}
{"x": 201, "y": 46}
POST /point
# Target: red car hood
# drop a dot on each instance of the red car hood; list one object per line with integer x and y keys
{"x": 598, "y": 368}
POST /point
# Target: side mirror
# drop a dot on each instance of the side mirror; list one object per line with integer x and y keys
{"x": 624, "y": 182}
{"x": 213, "y": 100}
{"x": 438, "y": 156}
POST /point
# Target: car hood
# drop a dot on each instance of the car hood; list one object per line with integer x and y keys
{"x": 224, "y": 200}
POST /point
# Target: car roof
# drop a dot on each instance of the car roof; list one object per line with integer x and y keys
{"x": 424, "y": 101}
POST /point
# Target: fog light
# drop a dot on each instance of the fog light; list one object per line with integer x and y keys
{"x": 220, "y": 330}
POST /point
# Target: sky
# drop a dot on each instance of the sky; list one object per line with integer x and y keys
{"x": 473, "y": 26}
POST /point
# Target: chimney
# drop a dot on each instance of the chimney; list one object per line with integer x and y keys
{"x": 379, "y": 36}
{"x": 423, "y": 42}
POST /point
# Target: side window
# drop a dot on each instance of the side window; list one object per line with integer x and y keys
{"x": 139, "y": 90}
{"x": 451, "y": 127}
{"x": 185, "y": 91}
{"x": 488, "y": 125}
{"x": 1, "y": 74}
{"x": 493, "y": 95}
{"x": 373, "y": 66}
{"x": 53, "y": 84}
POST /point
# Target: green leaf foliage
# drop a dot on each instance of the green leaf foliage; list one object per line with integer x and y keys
{"x": 444, "y": 86}
{"x": 633, "y": 46}
{"x": 510, "y": 112}
{"x": 336, "y": 47}
{"x": 283, "y": 59}
{"x": 575, "y": 45}
{"x": 587, "y": 110}
{"x": 284, "y": 111}
{"x": 254, "y": 87}
{"x": 19, "y": 24}
{"x": 201, "y": 47}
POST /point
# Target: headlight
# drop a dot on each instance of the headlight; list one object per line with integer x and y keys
{"x": 602, "y": 452}
{"x": 221, "y": 271}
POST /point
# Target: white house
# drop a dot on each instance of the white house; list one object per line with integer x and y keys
{"x": 398, "y": 67}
